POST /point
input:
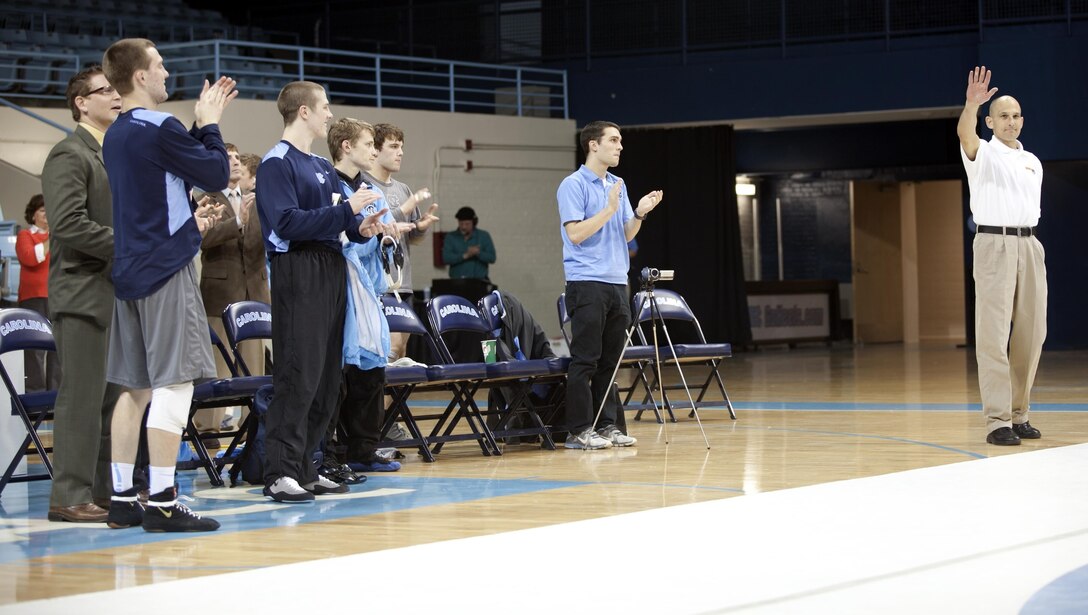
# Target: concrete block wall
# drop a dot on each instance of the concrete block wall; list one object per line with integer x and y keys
{"x": 517, "y": 166}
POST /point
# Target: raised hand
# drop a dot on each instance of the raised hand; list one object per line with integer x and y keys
{"x": 978, "y": 86}
{"x": 372, "y": 224}
{"x": 214, "y": 98}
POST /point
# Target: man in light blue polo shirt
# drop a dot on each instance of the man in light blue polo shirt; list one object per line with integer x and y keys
{"x": 598, "y": 221}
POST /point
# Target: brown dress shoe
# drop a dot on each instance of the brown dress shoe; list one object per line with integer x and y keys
{"x": 80, "y": 513}
{"x": 104, "y": 504}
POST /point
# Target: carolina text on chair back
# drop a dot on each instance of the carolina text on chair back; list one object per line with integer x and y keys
{"x": 449, "y": 313}
{"x": 22, "y": 329}
{"x": 402, "y": 318}
{"x": 246, "y": 320}
{"x": 670, "y": 305}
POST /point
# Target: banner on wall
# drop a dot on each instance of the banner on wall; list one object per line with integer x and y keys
{"x": 789, "y": 317}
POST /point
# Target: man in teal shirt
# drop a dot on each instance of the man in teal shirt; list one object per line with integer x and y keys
{"x": 469, "y": 250}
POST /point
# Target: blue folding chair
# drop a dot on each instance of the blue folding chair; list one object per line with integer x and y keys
{"x": 451, "y": 313}
{"x": 22, "y": 329}
{"x": 460, "y": 380}
{"x": 672, "y": 306}
{"x": 237, "y": 390}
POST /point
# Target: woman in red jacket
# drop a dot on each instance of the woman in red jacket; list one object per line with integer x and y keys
{"x": 32, "y": 247}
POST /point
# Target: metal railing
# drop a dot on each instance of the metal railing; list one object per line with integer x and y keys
{"x": 377, "y": 80}
{"x": 356, "y": 78}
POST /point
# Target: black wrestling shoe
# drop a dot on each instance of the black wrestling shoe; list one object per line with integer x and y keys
{"x": 340, "y": 473}
{"x": 166, "y": 514}
{"x": 1003, "y": 436}
{"x": 1026, "y": 431}
{"x": 126, "y": 510}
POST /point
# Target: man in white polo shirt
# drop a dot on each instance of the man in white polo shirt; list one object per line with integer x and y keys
{"x": 1010, "y": 275}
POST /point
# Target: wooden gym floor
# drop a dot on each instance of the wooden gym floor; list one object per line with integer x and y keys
{"x": 808, "y": 417}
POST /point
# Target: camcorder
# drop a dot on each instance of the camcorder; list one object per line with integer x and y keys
{"x": 653, "y": 274}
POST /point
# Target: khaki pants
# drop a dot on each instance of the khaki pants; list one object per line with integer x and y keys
{"x": 398, "y": 346}
{"x": 1010, "y": 323}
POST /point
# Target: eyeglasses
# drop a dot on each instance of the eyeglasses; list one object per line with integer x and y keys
{"x": 106, "y": 89}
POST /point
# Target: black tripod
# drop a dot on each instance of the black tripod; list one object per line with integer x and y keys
{"x": 649, "y": 277}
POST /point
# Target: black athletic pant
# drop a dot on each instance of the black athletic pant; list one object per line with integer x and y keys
{"x": 309, "y": 299}
{"x": 599, "y": 316}
{"x": 363, "y": 411}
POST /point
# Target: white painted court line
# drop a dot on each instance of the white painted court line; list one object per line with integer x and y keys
{"x": 979, "y": 536}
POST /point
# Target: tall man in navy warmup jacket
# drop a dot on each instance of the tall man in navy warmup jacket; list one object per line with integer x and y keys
{"x": 159, "y": 337}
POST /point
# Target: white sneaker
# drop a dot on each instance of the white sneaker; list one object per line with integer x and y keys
{"x": 618, "y": 438}
{"x": 588, "y": 440}
{"x": 397, "y": 432}
{"x": 287, "y": 489}
{"x": 324, "y": 485}
{"x": 406, "y": 362}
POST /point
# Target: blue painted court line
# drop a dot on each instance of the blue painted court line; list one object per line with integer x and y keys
{"x": 831, "y": 406}
{"x": 241, "y": 508}
{"x": 809, "y": 406}
{"x": 25, "y": 533}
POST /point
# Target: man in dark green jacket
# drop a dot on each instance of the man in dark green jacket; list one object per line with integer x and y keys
{"x": 468, "y": 250}
{"x": 79, "y": 207}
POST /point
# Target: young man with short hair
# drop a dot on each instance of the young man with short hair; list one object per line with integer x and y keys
{"x": 159, "y": 338}
{"x": 597, "y": 222}
{"x": 404, "y": 204}
{"x": 303, "y": 211}
{"x": 366, "y": 332}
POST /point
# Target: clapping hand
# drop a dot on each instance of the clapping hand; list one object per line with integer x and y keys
{"x": 214, "y": 98}
{"x": 372, "y": 224}
{"x": 361, "y": 198}
{"x": 248, "y": 201}
{"x": 207, "y": 214}
{"x": 614, "y": 196}
{"x": 427, "y": 219}
{"x": 647, "y": 203}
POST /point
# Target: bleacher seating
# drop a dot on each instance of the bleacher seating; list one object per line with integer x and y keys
{"x": 44, "y": 42}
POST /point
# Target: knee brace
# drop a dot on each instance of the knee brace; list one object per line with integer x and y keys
{"x": 170, "y": 407}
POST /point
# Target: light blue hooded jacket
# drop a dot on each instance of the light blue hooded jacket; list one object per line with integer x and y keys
{"x": 366, "y": 331}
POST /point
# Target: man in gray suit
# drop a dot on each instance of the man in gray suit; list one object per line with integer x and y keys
{"x": 79, "y": 206}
